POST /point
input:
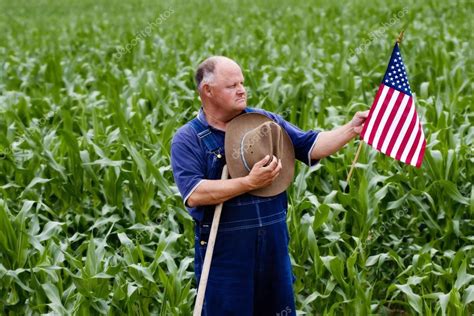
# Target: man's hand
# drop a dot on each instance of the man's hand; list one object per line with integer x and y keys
{"x": 263, "y": 173}
{"x": 358, "y": 120}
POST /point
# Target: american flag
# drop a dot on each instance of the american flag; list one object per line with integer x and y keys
{"x": 393, "y": 126}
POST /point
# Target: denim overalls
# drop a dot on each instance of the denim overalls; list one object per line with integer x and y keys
{"x": 251, "y": 270}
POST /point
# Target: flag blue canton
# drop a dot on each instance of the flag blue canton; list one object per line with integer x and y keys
{"x": 396, "y": 75}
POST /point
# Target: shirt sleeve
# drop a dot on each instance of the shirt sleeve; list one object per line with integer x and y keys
{"x": 303, "y": 141}
{"x": 187, "y": 163}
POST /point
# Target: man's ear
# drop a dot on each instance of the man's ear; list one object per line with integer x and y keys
{"x": 207, "y": 90}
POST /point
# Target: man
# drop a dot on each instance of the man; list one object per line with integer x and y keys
{"x": 251, "y": 270}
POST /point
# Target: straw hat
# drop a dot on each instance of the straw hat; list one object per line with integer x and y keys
{"x": 248, "y": 139}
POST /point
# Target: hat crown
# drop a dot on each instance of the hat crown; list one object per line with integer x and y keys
{"x": 265, "y": 139}
{"x": 249, "y": 138}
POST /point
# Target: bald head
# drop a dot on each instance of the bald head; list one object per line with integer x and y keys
{"x": 209, "y": 69}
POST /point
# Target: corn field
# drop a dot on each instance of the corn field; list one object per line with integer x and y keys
{"x": 91, "y": 93}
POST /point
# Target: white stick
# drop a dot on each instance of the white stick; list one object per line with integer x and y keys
{"x": 208, "y": 257}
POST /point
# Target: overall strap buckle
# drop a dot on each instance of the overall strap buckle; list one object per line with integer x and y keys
{"x": 207, "y": 137}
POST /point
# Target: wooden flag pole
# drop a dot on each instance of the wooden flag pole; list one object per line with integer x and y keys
{"x": 209, "y": 251}
{"x": 399, "y": 41}
{"x": 354, "y": 161}
{"x": 400, "y": 37}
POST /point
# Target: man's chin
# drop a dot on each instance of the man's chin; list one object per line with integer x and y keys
{"x": 241, "y": 104}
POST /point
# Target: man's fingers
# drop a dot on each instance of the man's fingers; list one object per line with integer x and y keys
{"x": 359, "y": 118}
{"x": 364, "y": 114}
{"x": 262, "y": 162}
{"x": 272, "y": 164}
{"x": 277, "y": 169}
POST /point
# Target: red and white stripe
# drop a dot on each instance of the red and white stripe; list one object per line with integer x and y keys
{"x": 393, "y": 127}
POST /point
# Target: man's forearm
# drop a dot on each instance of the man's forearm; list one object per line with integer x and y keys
{"x": 212, "y": 192}
{"x": 331, "y": 141}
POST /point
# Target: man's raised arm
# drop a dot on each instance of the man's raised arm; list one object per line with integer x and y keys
{"x": 331, "y": 141}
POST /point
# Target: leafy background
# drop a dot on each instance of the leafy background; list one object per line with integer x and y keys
{"x": 90, "y": 218}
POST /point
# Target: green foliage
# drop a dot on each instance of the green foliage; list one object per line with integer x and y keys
{"x": 90, "y": 218}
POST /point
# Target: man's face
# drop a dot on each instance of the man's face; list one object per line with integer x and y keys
{"x": 228, "y": 91}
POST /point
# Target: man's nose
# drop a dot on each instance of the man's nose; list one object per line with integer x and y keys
{"x": 241, "y": 89}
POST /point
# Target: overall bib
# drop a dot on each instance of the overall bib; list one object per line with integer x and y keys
{"x": 251, "y": 270}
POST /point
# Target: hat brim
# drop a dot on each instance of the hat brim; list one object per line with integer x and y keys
{"x": 235, "y": 130}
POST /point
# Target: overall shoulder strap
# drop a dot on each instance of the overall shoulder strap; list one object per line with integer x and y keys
{"x": 205, "y": 134}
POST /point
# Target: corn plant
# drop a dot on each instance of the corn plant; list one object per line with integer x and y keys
{"x": 91, "y": 93}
